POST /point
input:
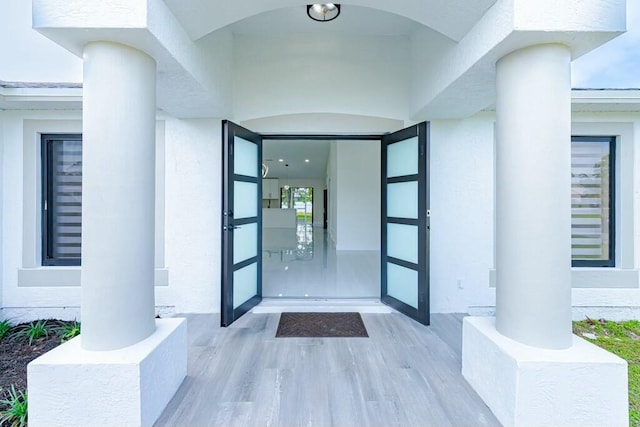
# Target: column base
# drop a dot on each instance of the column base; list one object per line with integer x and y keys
{"x": 529, "y": 386}
{"x": 69, "y": 386}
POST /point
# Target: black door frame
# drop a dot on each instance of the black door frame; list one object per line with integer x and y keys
{"x": 228, "y": 316}
{"x": 423, "y": 313}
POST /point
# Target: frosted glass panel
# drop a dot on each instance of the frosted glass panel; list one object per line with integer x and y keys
{"x": 245, "y": 284}
{"x": 245, "y": 157}
{"x": 245, "y": 242}
{"x": 402, "y": 200}
{"x": 402, "y": 158}
{"x": 402, "y": 242}
{"x": 245, "y": 199}
{"x": 402, "y": 284}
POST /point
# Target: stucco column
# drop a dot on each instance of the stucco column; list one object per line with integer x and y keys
{"x": 533, "y": 196}
{"x": 118, "y": 196}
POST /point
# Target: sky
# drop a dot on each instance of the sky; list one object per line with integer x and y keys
{"x": 615, "y": 64}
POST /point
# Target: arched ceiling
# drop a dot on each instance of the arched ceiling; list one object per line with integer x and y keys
{"x": 453, "y": 18}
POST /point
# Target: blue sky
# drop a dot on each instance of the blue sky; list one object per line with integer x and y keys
{"x": 617, "y": 63}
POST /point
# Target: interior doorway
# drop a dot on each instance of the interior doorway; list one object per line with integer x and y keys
{"x": 301, "y": 258}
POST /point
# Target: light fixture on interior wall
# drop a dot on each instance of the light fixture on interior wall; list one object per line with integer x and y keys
{"x": 323, "y": 12}
{"x": 286, "y": 185}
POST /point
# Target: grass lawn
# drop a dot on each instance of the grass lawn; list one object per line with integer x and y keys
{"x": 623, "y": 339}
{"x": 300, "y": 216}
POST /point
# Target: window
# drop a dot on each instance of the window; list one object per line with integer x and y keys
{"x": 300, "y": 199}
{"x": 592, "y": 201}
{"x": 61, "y": 199}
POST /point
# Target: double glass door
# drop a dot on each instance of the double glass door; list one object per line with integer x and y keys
{"x": 404, "y": 225}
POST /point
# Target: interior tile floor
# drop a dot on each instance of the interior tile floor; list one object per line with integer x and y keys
{"x": 404, "y": 374}
{"x": 302, "y": 263}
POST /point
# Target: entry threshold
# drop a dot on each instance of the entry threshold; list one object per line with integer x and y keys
{"x": 324, "y": 305}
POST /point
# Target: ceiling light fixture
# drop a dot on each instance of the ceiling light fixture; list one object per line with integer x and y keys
{"x": 323, "y": 12}
{"x": 306, "y": 160}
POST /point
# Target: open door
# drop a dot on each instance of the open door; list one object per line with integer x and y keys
{"x": 405, "y": 221}
{"x": 241, "y": 221}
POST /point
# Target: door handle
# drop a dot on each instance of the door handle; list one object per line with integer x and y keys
{"x": 230, "y": 227}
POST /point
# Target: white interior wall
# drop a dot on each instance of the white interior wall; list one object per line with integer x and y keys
{"x": 358, "y": 195}
{"x": 332, "y": 179}
{"x": 32, "y": 57}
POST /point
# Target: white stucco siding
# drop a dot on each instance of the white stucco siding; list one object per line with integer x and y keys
{"x": 2, "y": 181}
{"x": 367, "y": 76}
{"x": 462, "y": 219}
{"x": 32, "y": 57}
{"x": 193, "y": 204}
{"x": 30, "y": 290}
{"x": 25, "y": 299}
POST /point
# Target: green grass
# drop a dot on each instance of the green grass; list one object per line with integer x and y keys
{"x": 622, "y": 339}
{"x": 300, "y": 216}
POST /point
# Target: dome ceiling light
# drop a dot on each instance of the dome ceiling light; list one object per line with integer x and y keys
{"x": 323, "y": 12}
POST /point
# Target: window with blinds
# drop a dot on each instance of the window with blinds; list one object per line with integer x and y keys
{"x": 62, "y": 199}
{"x": 592, "y": 201}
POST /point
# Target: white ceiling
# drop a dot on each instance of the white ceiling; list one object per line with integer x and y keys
{"x": 353, "y": 20}
{"x": 294, "y": 153}
{"x": 453, "y": 18}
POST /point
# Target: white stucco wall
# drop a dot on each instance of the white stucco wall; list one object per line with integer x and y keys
{"x": 193, "y": 204}
{"x": 369, "y": 75}
{"x": 1, "y": 205}
{"x": 462, "y": 221}
{"x": 28, "y": 300}
{"x": 33, "y": 57}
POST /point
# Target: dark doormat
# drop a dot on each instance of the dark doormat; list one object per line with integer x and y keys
{"x": 319, "y": 325}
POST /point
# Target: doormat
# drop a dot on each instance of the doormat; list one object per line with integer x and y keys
{"x": 321, "y": 325}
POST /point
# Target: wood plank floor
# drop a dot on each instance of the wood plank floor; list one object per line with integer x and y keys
{"x": 404, "y": 374}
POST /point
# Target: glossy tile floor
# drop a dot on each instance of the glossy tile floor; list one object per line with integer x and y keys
{"x": 301, "y": 263}
{"x": 404, "y": 374}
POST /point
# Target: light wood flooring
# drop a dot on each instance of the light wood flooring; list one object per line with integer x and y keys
{"x": 404, "y": 374}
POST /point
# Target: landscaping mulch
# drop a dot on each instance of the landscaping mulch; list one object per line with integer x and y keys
{"x": 16, "y": 353}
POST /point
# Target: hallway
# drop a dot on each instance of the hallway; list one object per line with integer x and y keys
{"x": 302, "y": 262}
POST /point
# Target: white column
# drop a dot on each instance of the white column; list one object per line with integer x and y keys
{"x": 119, "y": 108}
{"x": 533, "y": 196}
